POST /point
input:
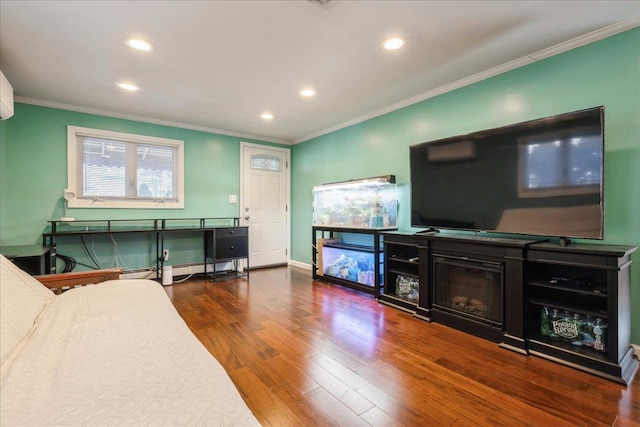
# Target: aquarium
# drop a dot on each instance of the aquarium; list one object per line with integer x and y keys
{"x": 362, "y": 203}
{"x": 348, "y": 263}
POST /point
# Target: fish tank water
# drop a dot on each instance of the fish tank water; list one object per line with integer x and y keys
{"x": 360, "y": 203}
{"x": 352, "y": 264}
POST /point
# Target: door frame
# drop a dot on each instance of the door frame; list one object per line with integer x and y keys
{"x": 287, "y": 153}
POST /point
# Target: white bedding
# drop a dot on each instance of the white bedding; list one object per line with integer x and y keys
{"x": 116, "y": 354}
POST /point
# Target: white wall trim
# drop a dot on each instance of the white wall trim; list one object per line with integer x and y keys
{"x": 588, "y": 38}
{"x": 594, "y": 36}
{"x": 303, "y": 265}
{"x": 177, "y": 270}
{"x": 107, "y": 113}
{"x": 636, "y": 350}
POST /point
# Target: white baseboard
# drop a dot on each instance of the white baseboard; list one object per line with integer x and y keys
{"x": 636, "y": 350}
{"x": 177, "y": 270}
{"x": 185, "y": 270}
{"x": 146, "y": 274}
{"x": 299, "y": 264}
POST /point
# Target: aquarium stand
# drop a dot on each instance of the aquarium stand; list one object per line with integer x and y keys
{"x": 347, "y": 256}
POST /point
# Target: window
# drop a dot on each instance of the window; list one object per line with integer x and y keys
{"x": 561, "y": 163}
{"x": 117, "y": 170}
{"x": 265, "y": 162}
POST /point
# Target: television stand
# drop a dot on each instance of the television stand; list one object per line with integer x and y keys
{"x": 570, "y": 304}
{"x": 428, "y": 231}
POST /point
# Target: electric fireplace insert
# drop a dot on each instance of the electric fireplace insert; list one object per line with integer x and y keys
{"x": 471, "y": 289}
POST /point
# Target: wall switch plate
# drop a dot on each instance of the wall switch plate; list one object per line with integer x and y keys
{"x": 233, "y": 198}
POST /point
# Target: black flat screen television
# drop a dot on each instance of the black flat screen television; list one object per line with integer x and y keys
{"x": 543, "y": 177}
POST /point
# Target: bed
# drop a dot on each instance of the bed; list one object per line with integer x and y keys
{"x": 117, "y": 353}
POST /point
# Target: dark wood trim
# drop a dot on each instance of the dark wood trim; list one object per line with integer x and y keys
{"x": 63, "y": 281}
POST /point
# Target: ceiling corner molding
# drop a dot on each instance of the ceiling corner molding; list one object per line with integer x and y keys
{"x": 583, "y": 40}
{"x": 588, "y": 38}
{"x": 106, "y": 113}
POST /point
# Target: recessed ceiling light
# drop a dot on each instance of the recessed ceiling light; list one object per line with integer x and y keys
{"x": 266, "y": 116}
{"x": 307, "y": 92}
{"x": 128, "y": 86}
{"x": 139, "y": 44}
{"x": 393, "y": 43}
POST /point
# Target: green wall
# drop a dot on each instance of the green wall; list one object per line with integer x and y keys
{"x": 603, "y": 73}
{"x": 33, "y": 150}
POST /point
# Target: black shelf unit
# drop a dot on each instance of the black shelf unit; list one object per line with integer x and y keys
{"x": 320, "y": 233}
{"x": 401, "y": 267}
{"x": 589, "y": 280}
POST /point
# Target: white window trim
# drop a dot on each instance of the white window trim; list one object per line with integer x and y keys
{"x": 72, "y": 171}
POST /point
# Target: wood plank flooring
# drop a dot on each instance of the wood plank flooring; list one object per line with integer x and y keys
{"x": 305, "y": 353}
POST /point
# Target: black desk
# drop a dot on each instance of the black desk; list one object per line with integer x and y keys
{"x": 223, "y": 238}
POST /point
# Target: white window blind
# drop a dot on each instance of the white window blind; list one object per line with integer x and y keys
{"x": 112, "y": 169}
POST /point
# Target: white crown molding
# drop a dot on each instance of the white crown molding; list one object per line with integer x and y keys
{"x": 106, "y": 113}
{"x": 588, "y": 38}
{"x": 583, "y": 40}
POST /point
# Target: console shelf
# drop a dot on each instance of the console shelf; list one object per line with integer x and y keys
{"x": 402, "y": 273}
{"x": 545, "y": 346}
{"x": 568, "y": 304}
{"x": 587, "y": 282}
{"x": 600, "y": 291}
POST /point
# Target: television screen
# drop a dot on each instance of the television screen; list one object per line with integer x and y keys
{"x": 543, "y": 177}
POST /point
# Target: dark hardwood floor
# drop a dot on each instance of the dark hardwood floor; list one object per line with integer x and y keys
{"x": 305, "y": 353}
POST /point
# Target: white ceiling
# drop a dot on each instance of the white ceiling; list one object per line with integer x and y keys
{"x": 216, "y": 65}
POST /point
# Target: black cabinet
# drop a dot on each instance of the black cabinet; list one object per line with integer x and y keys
{"x": 226, "y": 245}
{"x": 571, "y": 305}
{"x": 34, "y": 259}
{"x": 401, "y": 272}
{"x": 578, "y": 307}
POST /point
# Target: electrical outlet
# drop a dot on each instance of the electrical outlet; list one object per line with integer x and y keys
{"x": 165, "y": 254}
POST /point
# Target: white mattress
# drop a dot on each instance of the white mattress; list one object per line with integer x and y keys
{"x": 89, "y": 362}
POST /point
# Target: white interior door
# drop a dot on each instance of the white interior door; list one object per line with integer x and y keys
{"x": 264, "y": 203}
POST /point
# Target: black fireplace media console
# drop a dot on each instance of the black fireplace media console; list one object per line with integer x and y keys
{"x": 570, "y": 304}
